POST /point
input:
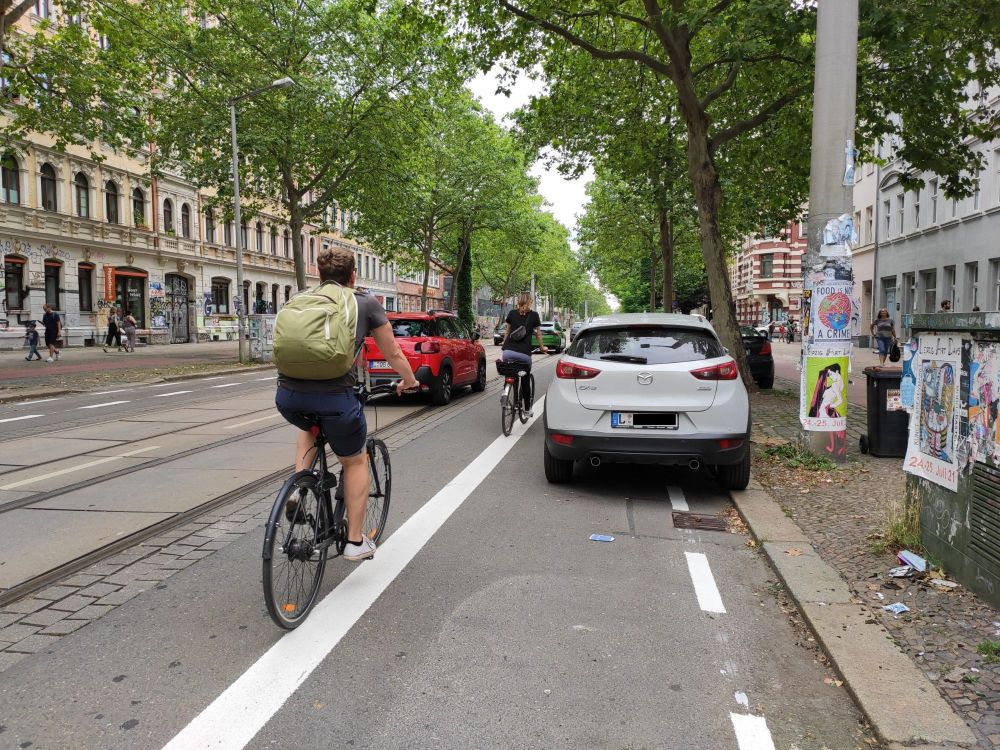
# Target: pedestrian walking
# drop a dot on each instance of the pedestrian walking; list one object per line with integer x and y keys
{"x": 31, "y": 340}
{"x": 130, "y": 327}
{"x": 114, "y": 329}
{"x": 770, "y": 331}
{"x": 53, "y": 330}
{"x": 884, "y": 331}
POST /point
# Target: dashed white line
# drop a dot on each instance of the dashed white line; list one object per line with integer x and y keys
{"x": 18, "y": 419}
{"x": 106, "y": 393}
{"x": 172, "y": 393}
{"x": 159, "y": 385}
{"x": 216, "y": 377}
{"x": 677, "y": 501}
{"x": 705, "y": 589}
{"x": 108, "y": 403}
{"x": 233, "y": 719}
{"x": 751, "y": 732}
{"x": 226, "y": 385}
{"x": 259, "y": 380}
{"x": 252, "y": 421}
{"x": 60, "y": 472}
{"x": 38, "y": 401}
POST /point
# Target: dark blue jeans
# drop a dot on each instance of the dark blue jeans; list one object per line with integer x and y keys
{"x": 338, "y": 414}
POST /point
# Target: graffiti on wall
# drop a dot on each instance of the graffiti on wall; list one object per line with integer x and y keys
{"x": 984, "y": 403}
{"x": 157, "y": 300}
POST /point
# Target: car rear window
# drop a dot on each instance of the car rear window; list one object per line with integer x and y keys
{"x": 751, "y": 332}
{"x": 403, "y": 328}
{"x": 647, "y": 345}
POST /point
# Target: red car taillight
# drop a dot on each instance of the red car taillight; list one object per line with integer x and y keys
{"x": 725, "y": 371}
{"x": 569, "y": 371}
{"x": 766, "y": 348}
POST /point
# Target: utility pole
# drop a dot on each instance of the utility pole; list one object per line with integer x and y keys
{"x": 826, "y": 267}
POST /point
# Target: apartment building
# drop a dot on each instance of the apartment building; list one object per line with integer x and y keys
{"x": 766, "y": 277}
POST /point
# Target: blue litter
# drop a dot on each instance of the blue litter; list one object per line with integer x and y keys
{"x": 897, "y": 609}
{"x": 601, "y": 538}
{"x": 912, "y": 559}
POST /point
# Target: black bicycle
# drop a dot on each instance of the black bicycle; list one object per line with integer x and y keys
{"x": 305, "y": 523}
{"x": 511, "y": 400}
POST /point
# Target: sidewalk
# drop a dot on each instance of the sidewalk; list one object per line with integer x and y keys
{"x": 81, "y": 369}
{"x": 842, "y": 513}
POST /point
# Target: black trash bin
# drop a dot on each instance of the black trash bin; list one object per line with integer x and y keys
{"x": 888, "y": 423}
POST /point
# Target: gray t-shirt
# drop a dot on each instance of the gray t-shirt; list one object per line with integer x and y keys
{"x": 370, "y": 316}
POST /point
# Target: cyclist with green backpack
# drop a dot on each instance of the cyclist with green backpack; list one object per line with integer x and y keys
{"x": 317, "y": 338}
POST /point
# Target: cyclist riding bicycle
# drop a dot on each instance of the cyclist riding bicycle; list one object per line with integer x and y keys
{"x": 516, "y": 347}
{"x": 335, "y": 405}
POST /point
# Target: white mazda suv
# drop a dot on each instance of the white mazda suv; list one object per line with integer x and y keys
{"x": 648, "y": 388}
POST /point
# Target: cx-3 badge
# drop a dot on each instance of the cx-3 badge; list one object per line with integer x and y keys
{"x": 644, "y": 378}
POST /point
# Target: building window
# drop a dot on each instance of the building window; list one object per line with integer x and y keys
{"x": 367, "y": 269}
{"x": 887, "y": 217}
{"x": 954, "y": 208}
{"x": 869, "y": 225}
{"x": 42, "y": 8}
{"x": 10, "y": 180}
{"x": 928, "y": 280}
{"x": 110, "y": 202}
{"x": 288, "y": 293}
{"x": 228, "y": 233}
{"x": 246, "y": 295}
{"x": 274, "y": 240}
{"x": 972, "y": 285}
{"x": 916, "y": 208}
{"x": 343, "y": 221}
{"x": 209, "y": 225}
{"x": 934, "y": 201}
{"x": 13, "y": 274}
{"x": 996, "y": 173}
{"x": 312, "y": 251}
{"x": 901, "y": 210}
{"x": 949, "y": 286}
{"x": 975, "y": 197}
{"x": 168, "y": 215}
{"x": 767, "y": 266}
{"x": 287, "y": 244}
{"x": 48, "y": 176}
{"x": 52, "y": 269}
{"x": 85, "y": 281}
{"x": 186, "y": 221}
{"x": 243, "y": 234}
{"x": 259, "y": 231}
{"x": 82, "y": 189}
{"x": 139, "y": 207}
{"x": 220, "y": 297}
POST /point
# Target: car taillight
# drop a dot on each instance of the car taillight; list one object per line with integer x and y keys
{"x": 724, "y": 371}
{"x": 562, "y": 439}
{"x": 569, "y": 371}
{"x": 766, "y": 349}
{"x": 428, "y": 347}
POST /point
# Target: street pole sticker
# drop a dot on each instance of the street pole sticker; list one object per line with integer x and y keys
{"x": 824, "y": 391}
{"x": 830, "y": 312}
{"x": 932, "y": 448}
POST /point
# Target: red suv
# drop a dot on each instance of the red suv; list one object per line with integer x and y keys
{"x": 442, "y": 350}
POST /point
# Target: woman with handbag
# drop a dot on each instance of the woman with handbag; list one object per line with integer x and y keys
{"x": 130, "y": 326}
{"x": 521, "y": 324}
{"x": 884, "y": 330}
{"x": 114, "y": 330}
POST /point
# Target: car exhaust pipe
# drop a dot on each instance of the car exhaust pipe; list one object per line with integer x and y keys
{"x": 694, "y": 464}
{"x": 595, "y": 461}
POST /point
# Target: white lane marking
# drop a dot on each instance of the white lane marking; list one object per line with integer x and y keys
{"x": 217, "y": 377}
{"x": 252, "y": 421}
{"x": 751, "y": 732}
{"x": 159, "y": 385}
{"x": 234, "y": 718}
{"x": 60, "y": 472}
{"x": 704, "y": 584}
{"x": 37, "y": 401}
{"x": 109, "y": 403}
{"x": 106, "y": 393}
{"x": 226, "y": 385}
{"x": 172, "y": 393}
{"x": 677, "y": 501}
{"x": 18, "y": 419}
{"x": 260, "y": 380}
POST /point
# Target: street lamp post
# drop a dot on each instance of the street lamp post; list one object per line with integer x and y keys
{"x": 241, "y": 317}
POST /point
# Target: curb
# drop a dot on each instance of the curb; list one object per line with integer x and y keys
{"x": 903, "y": 707}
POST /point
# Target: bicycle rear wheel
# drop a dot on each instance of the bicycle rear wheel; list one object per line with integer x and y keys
{"x": 379, "y": 489}
{"x": 522, "y": 413}
{"x": 507, "y": 408}
{"x": 294, "y": 560}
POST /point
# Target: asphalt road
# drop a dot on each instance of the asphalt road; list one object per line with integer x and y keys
{"x": 487, "y": 619}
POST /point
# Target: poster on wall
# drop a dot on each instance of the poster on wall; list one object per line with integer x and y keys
{"x": 984, "y": 403}
{"x": 908, "y": 380}
{"x": 830, "y": 312}
{"x": 933, "y": 446}
{"x": 823, "y": 405}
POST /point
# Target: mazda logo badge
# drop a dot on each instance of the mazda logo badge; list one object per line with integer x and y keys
{"x": 644, "y": 378}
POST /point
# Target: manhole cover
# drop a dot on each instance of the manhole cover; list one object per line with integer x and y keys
{"x": 684, "y": 520}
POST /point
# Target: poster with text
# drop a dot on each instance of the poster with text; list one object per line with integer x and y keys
{"x": 824, "y": 391}
{"x": 831, "y": 312}
{"x": 932, "y": 448}
{"x": 984, "y": 402}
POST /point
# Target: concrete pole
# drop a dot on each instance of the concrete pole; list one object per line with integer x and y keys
{"x": 834, "y": 98}
{"x": 242, "y": 316}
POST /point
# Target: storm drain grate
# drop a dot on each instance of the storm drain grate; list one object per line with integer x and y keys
{"x": 684, "y": 520}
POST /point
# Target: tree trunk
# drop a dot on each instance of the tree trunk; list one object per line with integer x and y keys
{"x": 463, "y": 287}
{"x": 463, "y": 251}
{"x": 652, "y": 281}
{"x": 667, "y": 255}
{"x": 423, "y": 290}
{"x": 295, "y": 225}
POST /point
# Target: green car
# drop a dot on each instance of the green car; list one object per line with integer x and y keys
{"x": 553, "y": 336}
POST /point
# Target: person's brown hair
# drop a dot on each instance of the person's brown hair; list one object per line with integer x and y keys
{"x": 335, "y": 264}
{"x": 524, "y": 302}
{"x": 883, "y": 310}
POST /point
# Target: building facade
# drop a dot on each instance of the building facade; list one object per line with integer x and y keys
{"x": 410, "y": 288}
{"x": 766, "y": 277}
{"x": 864, "y": 253}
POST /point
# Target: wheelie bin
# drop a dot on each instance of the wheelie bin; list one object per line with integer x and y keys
{"x": 888, "y": 422}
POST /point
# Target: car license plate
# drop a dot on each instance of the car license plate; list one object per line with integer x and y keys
{"x": 378, "y": 364}
{"x": 644, "y": 421}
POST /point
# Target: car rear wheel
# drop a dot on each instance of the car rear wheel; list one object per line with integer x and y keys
{"x": 480, "y": 385}
{"x": 736, "y": 476}
{"x": 557, "y": 470}
{"x": 441, "y": 393}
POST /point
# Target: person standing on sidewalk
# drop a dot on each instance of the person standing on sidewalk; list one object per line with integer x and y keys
{"x": 31, "y": 339}
{"x": 114, "y": 329}
{"x": 53, "y": 330}
{"x": 130, "y": 326}
{"x": 884, "y": 330}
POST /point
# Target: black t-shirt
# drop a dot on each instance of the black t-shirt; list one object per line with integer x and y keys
{"x": 51, "y": 322}
{"x": 531, "y": 322}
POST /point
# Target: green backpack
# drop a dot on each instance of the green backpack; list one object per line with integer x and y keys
{"x": 314, "y": 333}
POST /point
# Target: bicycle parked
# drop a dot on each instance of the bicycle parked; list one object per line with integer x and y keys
{"x": 305, "y": 523}
{"x": 511, "y": 398}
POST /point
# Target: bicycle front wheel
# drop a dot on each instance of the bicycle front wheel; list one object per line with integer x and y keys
{"x": 507, "y": 409}
{"x": 294, "y": 555}
{"x": 379, "y": 489}
{"x": 523, "y": 411}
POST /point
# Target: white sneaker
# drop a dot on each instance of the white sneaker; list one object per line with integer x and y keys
{"x": 529, "y": 413}
{"x": 50, "y": 360}
{"x": 57, "y": 356}
{"x": 357, "y": 552}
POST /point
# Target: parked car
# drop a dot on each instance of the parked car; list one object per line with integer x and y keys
{"x": 498, "y": 334}
{"x": 648, "y": 388}
{"x": 575, "y": 329}
{"x": 553, "y": 336}
{"x": 441, "y": 349}
{"x": 759, "y": 356}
